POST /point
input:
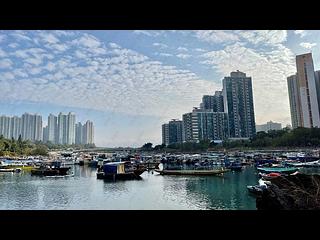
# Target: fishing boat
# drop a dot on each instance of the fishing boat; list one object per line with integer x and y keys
{"x": 7, "y": 170}
{"x": 121, "y": 170}
{"x": 192, "y": 172}
{"x": 269, "y": 176}
{"x": 50, "y": 169}
{"x": 287, "y": 170}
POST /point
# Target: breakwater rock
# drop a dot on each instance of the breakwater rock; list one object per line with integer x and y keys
{"x": 293, "y": 192}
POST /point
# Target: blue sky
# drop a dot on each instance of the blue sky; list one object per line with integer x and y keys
{"x": 130, "y": 82}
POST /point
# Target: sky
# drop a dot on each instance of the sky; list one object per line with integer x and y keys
{"x": 130, "y": 82}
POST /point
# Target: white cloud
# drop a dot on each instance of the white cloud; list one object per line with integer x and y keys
{"x": 5, "y": 63}
{"x": 183, "y": 56}
{"x": 48, "y": 38}
{"x": 150, "y": 33}
{"x": 165, "y": 54}
{"x": 2, "y": 53}
{"x": 216, "y": 36}
{"x": 269, "y": 71}
{"x": 13, "y": 45}
{"x": 121, "y": 80}
{"x": 114, "y": 45}
{"x": 302, "y": 33}
{"x": 161, "y": 45}
{"x": 182, "y": 49}
{"x": 200, "y": 50}
{"x": 267, "y": 37}
{"x": 307, "y": 45}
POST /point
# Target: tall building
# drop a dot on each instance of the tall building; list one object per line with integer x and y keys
{"x": 31, "y": 127}
{"x": 303, "y": 94}
{"x": 38, "y": 134}
{"x": 52, "y": 129}
{"x": 88, "y": 133}
{"x": 15, "y": 127}
{"x": 165, "y": 134}
{"x": 238, "y": 103}
{"x": 5, "y": 126}
{"x": 66, "y": 128}
{"x": 293, "y": 90}
{"x": 309, "y": 107}
{"x": 268, "y": 126}
{"x": 45, "y": 134}
{"x": 79, "y": 131}
{"x": 71, "y": 122}
{"x": 317, "y": 78}
{"x": 203, "y": 124}
{"x": 172, "y": 132}
{"x": 214, "y": 102}
{"x": 62, "y": 129}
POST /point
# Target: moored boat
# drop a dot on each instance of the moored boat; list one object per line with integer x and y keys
{"x": 192, "y": 172}
{"x": 287, "y": 170}
{"x": 51, "y": 169}
{"x": 121, "y": 171}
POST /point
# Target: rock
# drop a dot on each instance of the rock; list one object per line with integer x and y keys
{"x": 299, "y": 191}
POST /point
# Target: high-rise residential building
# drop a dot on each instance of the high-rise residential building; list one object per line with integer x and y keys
{"x": 214, "y": 102}
{"x": 238, "y": 103}
{"x": 45, "y": 134}
{"x": 203, "y": 124}
{"x": 293, "y": 90}
{"x": 66, "y": 128}
{"x": 268, "y": 126}
{"x": 88, "y": 133}
{"x": 165, "y": 134}
{"x": 71, "y": 122}
{"x": 15, "y": 127}
{"x": 38, "y": 134}
{"x": 5, "y": 126}
{"x": 317, "y": 78}
{"x": 303, "y": 94}
{"x": 79, "y": 133}
{"x": 172, "y": 132}
{"x": 31, "y": 127}
{"x": 309, "y": 107}
{"x": 52, "y": 129}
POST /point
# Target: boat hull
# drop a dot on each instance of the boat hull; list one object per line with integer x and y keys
{"x": 191, "y": 172}
{"x": 50, "y": 172}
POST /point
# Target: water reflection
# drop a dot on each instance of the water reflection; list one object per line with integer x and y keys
{"x": 154, "y": 191}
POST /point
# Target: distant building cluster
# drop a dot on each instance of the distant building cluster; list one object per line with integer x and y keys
{"x": 228, "y": 114}
{"x": 268, "y": 127}
{"x": 304, "y": 93}
{"x": 61, "y": 129}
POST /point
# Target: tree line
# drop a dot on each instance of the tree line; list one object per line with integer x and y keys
{"x": 285, "y": 138}
{"x": 19, "y": 147}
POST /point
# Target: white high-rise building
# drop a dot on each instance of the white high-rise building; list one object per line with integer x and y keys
{"x": 38, "y": 134}
{"x": 303, "y": 94}
{"x": 88, "y": 133}
{"x": 15, "y": 127}
{"x": 79, "y": 131}
{"x": 71, "y": 122}
{"x": 5, "y": 126}
{"x": 52, "y": 129}
{"x": 66, "y": 128}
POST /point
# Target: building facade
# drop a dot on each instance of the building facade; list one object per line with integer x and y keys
{"x": 294, "y": 101}
{"x": 268, "y": 126}
{"x": 238, "y": 103}
{"x": 203, "y": 124}
{"x": 304, "y": 93}
{"x": 172, "y": 132}
{"x": 215, "y": 102}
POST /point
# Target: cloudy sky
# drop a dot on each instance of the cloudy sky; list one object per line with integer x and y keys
{"x": 130, "y": 82}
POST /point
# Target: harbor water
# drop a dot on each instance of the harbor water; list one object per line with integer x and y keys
{"x": 84, "y": 191}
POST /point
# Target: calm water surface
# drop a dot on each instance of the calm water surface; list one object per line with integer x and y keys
{"x": 84, "y": 191}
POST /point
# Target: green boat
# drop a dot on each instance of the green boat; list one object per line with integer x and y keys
{"x": 278, "y": 170}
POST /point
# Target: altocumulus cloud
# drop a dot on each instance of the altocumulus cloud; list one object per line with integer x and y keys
{"x": 77, "y": 69}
